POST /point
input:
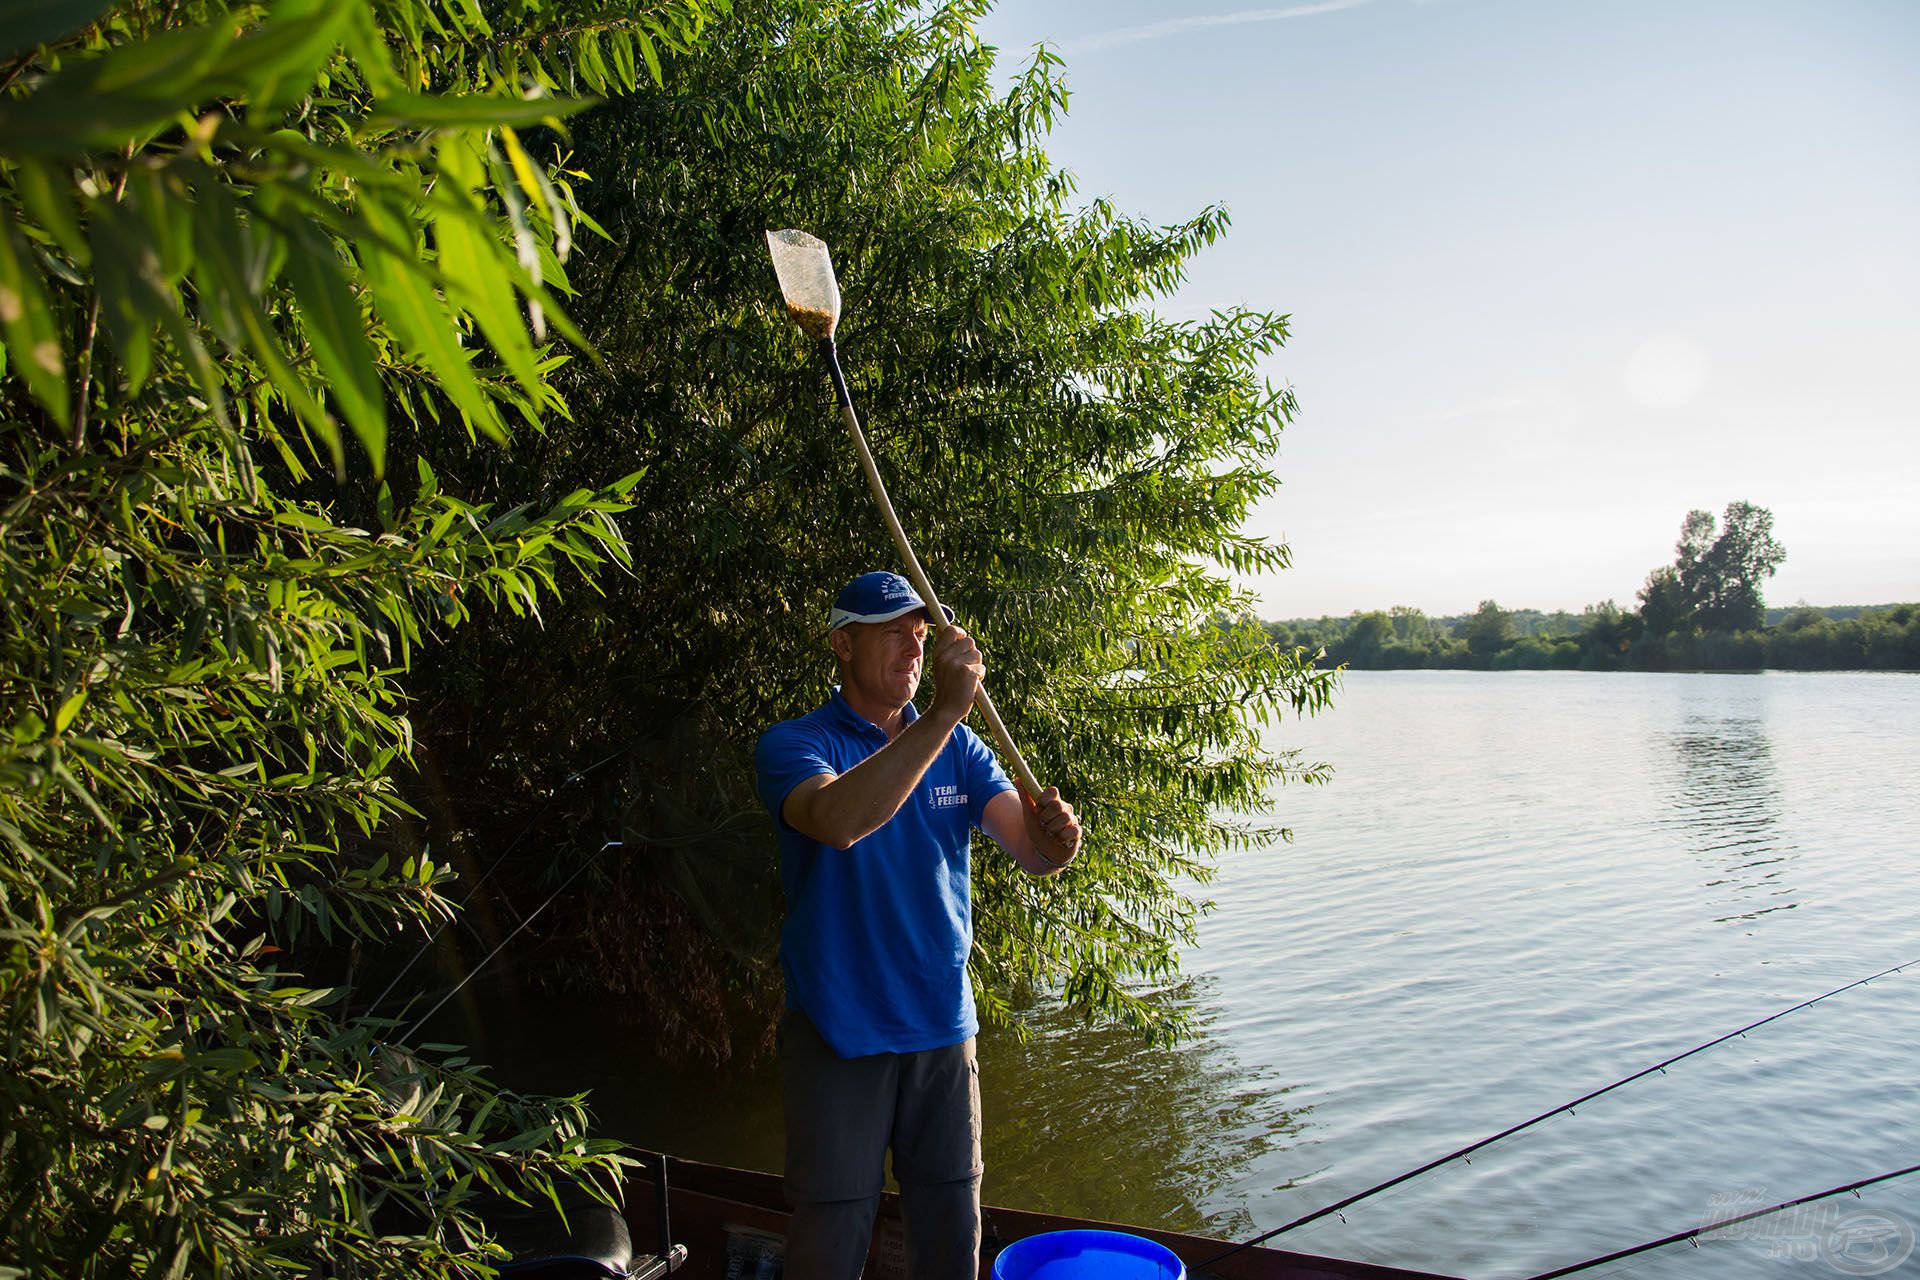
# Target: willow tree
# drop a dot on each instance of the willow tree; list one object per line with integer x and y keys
{"x": 248, "y": 253}
{"x": 1074, "y": 468}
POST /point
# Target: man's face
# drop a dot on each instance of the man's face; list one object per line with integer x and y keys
{"x": 882, "y": 660}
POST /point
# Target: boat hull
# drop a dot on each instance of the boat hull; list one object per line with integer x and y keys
{"x": 729, "y": 1218}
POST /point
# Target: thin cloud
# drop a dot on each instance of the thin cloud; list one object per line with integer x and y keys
{"x": 1180, "y": 26}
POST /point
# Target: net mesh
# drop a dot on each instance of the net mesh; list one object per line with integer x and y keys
{"x": 806, "y": 280}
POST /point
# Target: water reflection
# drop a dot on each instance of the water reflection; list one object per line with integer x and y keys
{"x": 1724, "y": 801}
{"x": 1496, "y": 905}
{"x": 1080, "y": 1120}
{"x": 1089, "y": 1121}
{"x": 565, "y": 1043}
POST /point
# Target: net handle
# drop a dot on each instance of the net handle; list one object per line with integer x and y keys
{"x": 924, "y": 585}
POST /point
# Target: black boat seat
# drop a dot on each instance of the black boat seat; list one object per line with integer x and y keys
{"x": 590, "y": 1243}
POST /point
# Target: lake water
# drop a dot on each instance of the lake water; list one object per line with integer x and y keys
{"x": 1518, "y": 888}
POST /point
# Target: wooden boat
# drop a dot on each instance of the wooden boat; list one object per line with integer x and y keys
{"x": 730, "y": 1222}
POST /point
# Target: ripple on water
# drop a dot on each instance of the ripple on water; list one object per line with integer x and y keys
{"x": 1520, "y": 888}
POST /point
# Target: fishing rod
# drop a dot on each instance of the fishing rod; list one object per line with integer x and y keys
{"x": 531, "y": 916}
{"x": 1724, "y": 1223}
{"x": 576, "y": 776}
{"x": 659, "y": 842}
{"x": 1568, "y": 1107}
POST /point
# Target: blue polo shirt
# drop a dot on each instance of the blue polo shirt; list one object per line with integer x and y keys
{"x": 876, "y": 938}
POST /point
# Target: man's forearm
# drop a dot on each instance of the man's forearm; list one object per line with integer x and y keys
{"x": 857, "y": 803}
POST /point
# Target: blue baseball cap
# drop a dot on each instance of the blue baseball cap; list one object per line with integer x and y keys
{"x": 877, "y": 597}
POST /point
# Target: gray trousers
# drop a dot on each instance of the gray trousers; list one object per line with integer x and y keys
{"x": 842, "y": 1116}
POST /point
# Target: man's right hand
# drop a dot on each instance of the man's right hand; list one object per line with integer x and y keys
{"x": 840, "y": 809}
{"x": 958, "y": 670}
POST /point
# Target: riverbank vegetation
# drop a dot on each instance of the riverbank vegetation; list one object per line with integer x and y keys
{"x": 1703, "y": 612}
{"x": 247, "y": 255}
{"x": 1607, "y": 638}
{"x": 409, "y": 481}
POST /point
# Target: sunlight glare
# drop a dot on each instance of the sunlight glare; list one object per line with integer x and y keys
{"x": 1666, "y": 372}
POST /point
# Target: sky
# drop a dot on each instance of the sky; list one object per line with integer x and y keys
{"x": 1558, "y": 272}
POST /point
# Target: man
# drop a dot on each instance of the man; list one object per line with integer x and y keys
{"x": 875, "y": 804}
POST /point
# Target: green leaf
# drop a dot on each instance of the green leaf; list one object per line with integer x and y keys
{"x": 221, "y": 235}
{"x": 273, "y": 64}
{"x": 88, "y": 801}
{"x": 48, "y": 198}
{"x": 164, "y": 204}
{"x": 68, "y": 710}
{"x": 653, "y": 58}
{"x": 148, "y": 296}
{"x": 533, "y": 181}
{"x": 477, "y": 262}
{"x": 526, "y": 1140}
{"x": 122, "y": 94}
{"x": 29, "y": 23}
{"x": 334, "y": 324}
{"x": 124, "y": 276}
{"x": 543, "y": 303}
{"x": 408, "y": 304}
{"x": 367, "y": 43}
{"x": 481, "y": 111}
{"x": 620, "y": 48}
{"x": 26, "y": 318}
{"x": 171, "y": 63}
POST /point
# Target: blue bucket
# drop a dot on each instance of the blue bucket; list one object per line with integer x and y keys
{"x": 1087, "y": 1255}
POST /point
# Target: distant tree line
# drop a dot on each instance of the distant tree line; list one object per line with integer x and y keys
{"x": 1703, "y": 612}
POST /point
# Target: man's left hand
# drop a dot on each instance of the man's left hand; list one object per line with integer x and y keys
{"x": 1052, "y": 826}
